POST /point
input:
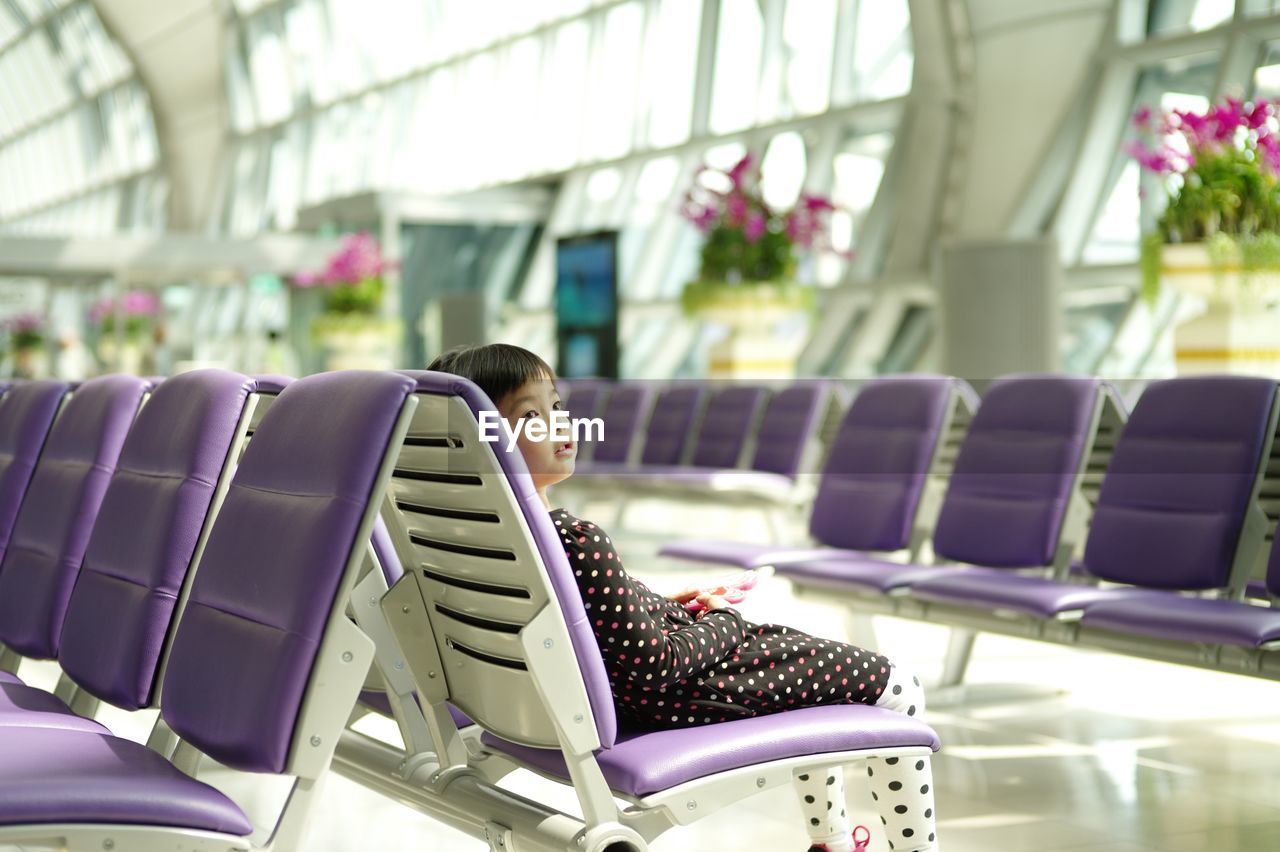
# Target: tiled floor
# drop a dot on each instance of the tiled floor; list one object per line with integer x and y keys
{"x": 1117, "y": 755}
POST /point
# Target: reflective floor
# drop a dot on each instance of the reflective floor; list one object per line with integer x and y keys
{"x": 1112, "y": 754}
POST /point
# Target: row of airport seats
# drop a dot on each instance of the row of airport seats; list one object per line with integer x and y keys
{"x": 206, "y": 545}
{"x": 1170, "y": 510}
{"x": 730, "y": 444}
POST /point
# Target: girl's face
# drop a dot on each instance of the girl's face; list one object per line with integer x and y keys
{"x": 548, "y": 461}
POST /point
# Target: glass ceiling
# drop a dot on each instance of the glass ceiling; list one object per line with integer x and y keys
{"x": 78, "y": 151}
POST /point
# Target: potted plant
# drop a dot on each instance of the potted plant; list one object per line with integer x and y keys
{"x": 351, "y": 329}
{"x": 139, "y": 311}
{"x": 746, "y": 280}
{"x": 26, "y": 338}
{"x": 1218, "y": 237}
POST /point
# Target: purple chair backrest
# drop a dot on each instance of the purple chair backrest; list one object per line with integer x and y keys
{"x": 1181, "y": 479}
{"x": 675, "y": 415}
{"x": 472, "y": 528}
{"x": 1013, "y": 478}
{"x": 57, "y": 516}
{"x": 26, "y": 416}
{"x": 789, "y": 423}
{"x": 156, "y": 507}
{"x": 722, "y": 437}
{"x": 878, "y": 462}
{"x": 624, "y": 415}
{"x": 1272, "y": 581}
{"x": 586, "y": 397}
{"x": 295, "y": 520}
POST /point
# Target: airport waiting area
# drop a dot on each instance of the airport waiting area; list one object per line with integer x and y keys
{"x": 628, "y": 425}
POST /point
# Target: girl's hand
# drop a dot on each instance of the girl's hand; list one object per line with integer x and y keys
{"x": 711, "y": 601}
{"x": 685, "y": 595}
{"x": 691, "y": 593}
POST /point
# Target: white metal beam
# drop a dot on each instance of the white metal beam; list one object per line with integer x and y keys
{"x": 163, "y": 257}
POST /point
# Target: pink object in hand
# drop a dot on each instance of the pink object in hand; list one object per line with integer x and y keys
{"x": 735, "y": 589}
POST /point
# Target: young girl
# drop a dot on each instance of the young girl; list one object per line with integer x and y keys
{"x": 671, "y": 669}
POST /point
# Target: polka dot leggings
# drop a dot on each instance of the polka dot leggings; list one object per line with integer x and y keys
{"x": 901, "y": 788}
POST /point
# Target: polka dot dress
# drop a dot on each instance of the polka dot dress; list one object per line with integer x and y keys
{"x": 669, "y": 669}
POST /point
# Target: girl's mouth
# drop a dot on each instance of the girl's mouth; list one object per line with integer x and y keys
{"x": 568, "y": 451}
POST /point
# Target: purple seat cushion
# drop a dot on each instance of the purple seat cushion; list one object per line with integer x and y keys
{"x": 646, "y": 763}
{"x": 992, "y": 589}
{"x": 53, "y": 776}
{"x": 1009, "y": 492}
{"x": 1171, "y": 506}
{"x": 27, "y": 707}
{"x": 63, "y": 498}
{"x": 850, "y": 569}
{"x": 878, "y": 462}
{"x": 121, "y": 610}
{"x": 585, "y": 649}
{"x": 9, "y": 677}
{"x": 1165, "y": 615}
{"x": 377, "y": 700}
{"x": 740, "y": 554}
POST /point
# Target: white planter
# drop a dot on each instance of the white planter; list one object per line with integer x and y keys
{"x": 128, "y": 359}
{"x": 754, "y": 348}
{"x": 357, "y": 343}
{"x": 1237, "y": 331}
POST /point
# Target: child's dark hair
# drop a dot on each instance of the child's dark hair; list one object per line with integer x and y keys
{"x": 497, "y": 368}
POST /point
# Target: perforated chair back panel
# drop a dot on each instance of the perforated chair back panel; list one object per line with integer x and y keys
{"x": 1013, "y": 479}
{"x": 878, "y": 462}
{"x": 732, "y": 414}
{"x": 788, "y": 425}
{"x": 26, "y": 414}
{"x": 277, "y": 556}
{"x": 1172, "y": 505}
{"x": 66, "y": 491}
{"x": 488, "y": 562}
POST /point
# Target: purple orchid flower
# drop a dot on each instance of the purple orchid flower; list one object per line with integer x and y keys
{"x": 738, "y": 173}
{"x": 1270, "y": 148}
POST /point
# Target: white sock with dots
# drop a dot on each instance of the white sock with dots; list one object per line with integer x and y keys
{"x": 903, "y": 787}
{"x": 822, "y": 802}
